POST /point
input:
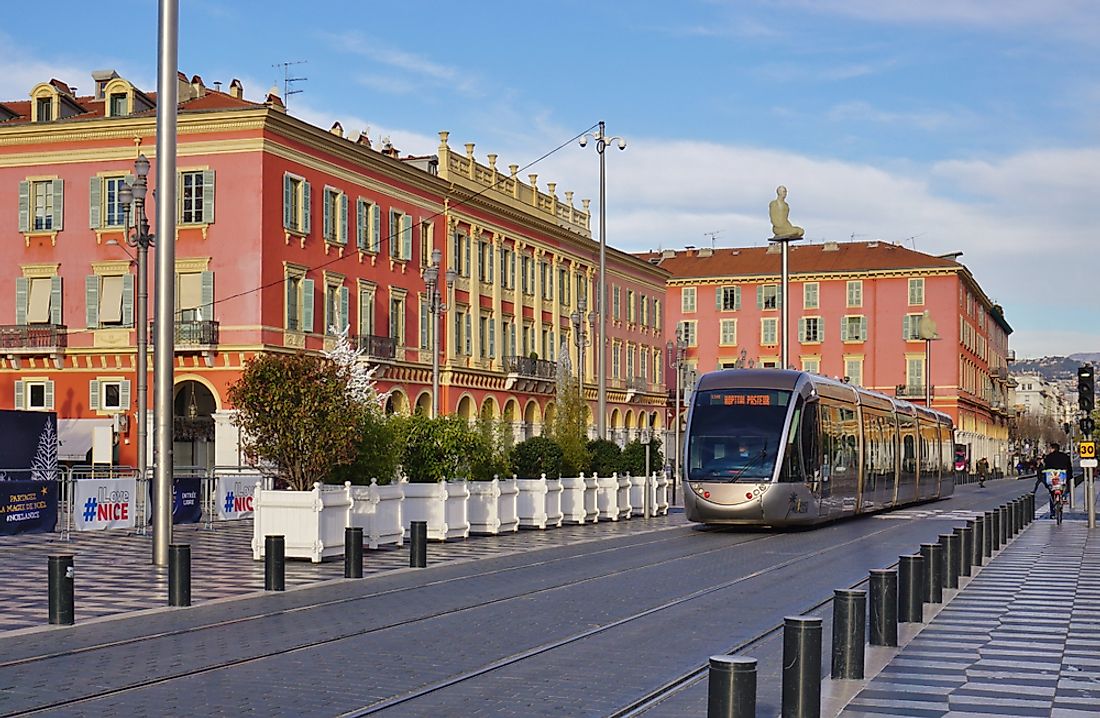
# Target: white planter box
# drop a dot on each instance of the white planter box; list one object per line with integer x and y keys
{"x": 662, "y": 494}
{"x": 531, "y": 503}
{"x": 377, "y": 510}
{"x": 426, "y": 502}
{"x": 591, "y": 501}
{"x": 572, "y": 500}
{"x": 483, "y": 507}
{"x": 624, "y": 496}
{"x": 638, "y": 485}
{"x": 553, "y": 502}
{"x": 607, "y": 497}
{"x": 457, "y": 516}
{"x": 507, "y": 509}
{"x": 310, "y": 522}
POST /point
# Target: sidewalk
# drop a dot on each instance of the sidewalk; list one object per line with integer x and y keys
{"x": 1021, "y": 638}
{"x": 114, "y": 574}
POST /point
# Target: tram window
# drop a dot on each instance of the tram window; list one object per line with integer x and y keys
{"x": 792, "y": 459}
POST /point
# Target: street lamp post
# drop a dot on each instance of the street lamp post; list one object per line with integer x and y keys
{"x": 580, "y": 339}
{"x": 141, "y": 240}
{"x": 676, "y": 353}
{"x": 437, "y": 305}
{"x": 602, "y": 140}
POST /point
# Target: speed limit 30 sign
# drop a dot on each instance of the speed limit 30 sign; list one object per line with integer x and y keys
{"x": 1087, "y": 449}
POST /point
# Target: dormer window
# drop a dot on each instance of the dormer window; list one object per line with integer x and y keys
{"x": 44, "y": 108}
{"x": 119, "y": 104}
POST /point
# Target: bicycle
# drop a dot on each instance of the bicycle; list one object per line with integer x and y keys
{"x": 1056, "y": 485}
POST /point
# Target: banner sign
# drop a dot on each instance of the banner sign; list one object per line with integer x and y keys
{"x": 186, "y": 500}
{"x": 30, "y": 444}
{"x": 234, "y": 496}
{"x": 104, "y": 504}
{"x": 28, "y": 506}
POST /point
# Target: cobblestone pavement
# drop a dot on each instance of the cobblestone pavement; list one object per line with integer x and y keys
{"x": 114, "y": 574}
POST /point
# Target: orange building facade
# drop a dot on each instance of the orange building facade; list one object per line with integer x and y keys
{"x": 285, "y": 234}
{"x": 855, "y": 311}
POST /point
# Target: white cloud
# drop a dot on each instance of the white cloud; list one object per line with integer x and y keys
{"x": 928, "y": 120}
{"x": 410, "y": 65}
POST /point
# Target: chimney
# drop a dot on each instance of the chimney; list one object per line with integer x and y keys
{"x": 705, "y": 251}
{"x": 100, "y": 78}
{"x": 774, "y": 248}
{"x": 236, "y": 89}
{"x": 184, "y": 88}
{"x": 197, "y": 87}
{"x": 274, "y": 101}
{"x": 337, "y": 129}
{"x": 388, "y": 149}
{"x": 830, "y": 247}
{"x": 668, "y": 253}
{"x": 364, "y": 138}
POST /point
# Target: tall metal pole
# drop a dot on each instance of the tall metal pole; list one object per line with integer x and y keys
{"x": 928, "y": 373}
{"x": 434, "y": 306}
{"x": 601, "y": 348}
{"x": 142, "y": 349}
{"x": 676, "y": 418}
{"x": 164, "y": 349}
{"x": 785, "y": 309}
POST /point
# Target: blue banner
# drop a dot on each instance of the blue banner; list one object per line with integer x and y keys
{"x": 28, "y": 506}
{"x": 186, "y": 500}
{"x": 30, "y": 444}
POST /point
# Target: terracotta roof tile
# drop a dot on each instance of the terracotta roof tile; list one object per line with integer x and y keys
{"x": 803, "y": 258}
{"x": 212, "y": 100}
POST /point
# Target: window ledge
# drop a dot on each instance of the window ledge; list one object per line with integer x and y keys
{"x": 331, "y": 244}
{"x": 288, "y": 233}
{"x": 204, "y": 227}
{"x": 51, "y": 233}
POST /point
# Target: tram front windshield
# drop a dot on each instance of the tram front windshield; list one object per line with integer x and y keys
{"x": 735, "y": 434}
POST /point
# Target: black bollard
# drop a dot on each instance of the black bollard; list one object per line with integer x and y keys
{"x": 966, "y": 548}
{"x": 353, "y": 552}
{"x": 849, "y": 621}
{"x": 731, "y": 687}
{"x": 179, "y": 574}
{"x": 996, "y": 524}
{"x": 979, "y": 540}
{"x": 933, "y": 572}
{"x": 801, "y": 667}
{"x": 1005, "y": 535}
{"x": 1031, "y": 506}
{"x": 950, "y": 543}
{"x": 61, "y": 581}
{"x": 884, "y": 607}
{"x": 987, "y": 538}
{"x": 418, "y": 544}
{"x": 1013, "y": 523}
{"x": 274, "y": 563}
{"x": 1020, "y": 521}
{"x": 910, "y": 585}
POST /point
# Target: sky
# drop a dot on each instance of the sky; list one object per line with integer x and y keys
{"x": 942, "y": 125}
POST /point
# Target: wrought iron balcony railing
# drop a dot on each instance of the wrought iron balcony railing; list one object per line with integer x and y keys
{"x": 533, "y": 368}
{"x": 912, "y": 391}
{"x": 30, "y": 338}
{"x": 196, "y": 333}
{"x": 374, "y": 346}
{"x": 637, "y": 383}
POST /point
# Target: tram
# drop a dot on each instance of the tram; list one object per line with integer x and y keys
{"x": 771, "y": 447}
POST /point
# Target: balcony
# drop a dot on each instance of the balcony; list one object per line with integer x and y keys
{"x": 528, "y": 374}
{"x": 912, "y": 391}
{"x": 30, "y": 339}
{"x": 374, "y": 346}
{"x": 196, "y": 334}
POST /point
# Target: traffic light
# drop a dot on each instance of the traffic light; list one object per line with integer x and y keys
{"x": 1087, "y": 425}
{"x": 1086, "y": 388}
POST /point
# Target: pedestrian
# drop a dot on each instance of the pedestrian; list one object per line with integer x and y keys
{"x": 1056, "y": 460}
{"x": 983, "y": 471}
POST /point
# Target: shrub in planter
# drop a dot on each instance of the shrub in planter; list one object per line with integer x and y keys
{"x": 493, "y": 442}
{"x": 633, "y": 457}
{"x": 569, "y": 427}
{"x": 606, "y": 456}
{"x": 378, "y": 456}
{"x": 536, "y": 456}
{"x": 434, "y": 449}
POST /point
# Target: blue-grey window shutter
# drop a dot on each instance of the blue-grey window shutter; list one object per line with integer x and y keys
{"x": 392, "y": 238}
{"x": 55, "y": 301}
{"x": 95, "y": 202}
{"x": 406, "y": 237}
{"x": 49, "y": 395}
{"x": 24, "y": 206}
{"x": 326, "y": 216}
{"x": 307, "y": 215}
{"x": 20, "y": 398}
{"x": 307, "y": 305}
{"x": 288, "y": 202}
{"x": 802, "y": 329}
{"x": 360, "y": 225}
{"x": 718, "y": 292}
{"x": 128, "y": 300}
{"x": 905, "y": 328}
{"x": 129, "y": 179}
{"x": 93, "y": 395}
{"x": 291, "y": 304}
{"x": 863, "y": 328}
{"x": 844, "y": 329}
{"x": 208, "y": 196}
{"x": 91, "y": 301}
{"x": 376, "y": 228}
{"x": 366, "y": 321}
{"x": 58, "y": 204}
{"x": 207, "y": 295}
{"x": 345, "y": 300}
{"x": 124, "y": 394}
{"x": 737, "y": 297}
{"x": 760, "y": 296}
{"x": 343, "y": 219}
{"x": 22, "y": 291}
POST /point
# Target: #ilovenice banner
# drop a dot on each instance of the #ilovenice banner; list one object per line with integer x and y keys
{"x": 234, "y": 495}
{"x": 104, "y": 504}
{"x": 27, "y": 506}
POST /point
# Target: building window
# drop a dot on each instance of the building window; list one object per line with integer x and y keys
{"x": 296, "y": 201}
{"x": 114, "y": 212}
{"x": 397, "y": 320}
{"x": 910, "y": 327}
{"x": 767, "y": 296}
{"x": 657, "y": 316}
{"x": 334, "y": 212}
{"x": 426, "y": 245}
{"x": 525, "y": 270}
{"x": 194, "y": 296}
{"x": 118, "y": 105}
{"x": 109, "y": 395}
{"x": 855, "y": 293}
{"x": 616, "y": 303}
{"x": 687, "y": 299}
{"x": 38, "y": 300}
{"x": 853, "y": 370}
{"x": 400, "y": 238}
{"x": 686, "y": 330}
{"x": 368, "y": 230}
{"x": 366, "y": 311}
{"x": 728, "y": 332}
{"x": 769, "y": 333}
{"x": 44, "y": 205}
{"x": 916, "y": 291}
{"x": 810, "y": 330}
{"x": 631, "y": 317}
{"x": 299, "y": 302}
{"x": 34, "y": 395}
{"x": 729, "y": 299}
{"x": 810, "y": 295}
{"x": 914, "y": 373}
{"x": 196, "y": 200}
{"x": 44, "y": 105}
{"x": 853, "y": 328}
{"x": 811, "y": 364}
{"x": 336, "y": 307}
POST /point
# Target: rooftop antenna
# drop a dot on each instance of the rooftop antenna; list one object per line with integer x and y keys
{"x": 287, "y": 79}
{"x": 853, "y": 236}
{"x": 913, "y": 239}
{"x": 713, "y": 236}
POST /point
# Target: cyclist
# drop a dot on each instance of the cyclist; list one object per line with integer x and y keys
{"x": 1055, "y": 460}
{"x": 983, "y": 471}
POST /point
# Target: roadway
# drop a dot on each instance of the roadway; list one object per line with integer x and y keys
{"x": 582, "y": 630}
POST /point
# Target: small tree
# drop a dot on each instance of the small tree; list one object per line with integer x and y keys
{"x": 494, "y": 441}
{"x": 569, "y": 427}
{"x": 436, "y": 449}
{"x": 536, "y": 456}
{"x": 606, "y": 456}
{"x": 633, "y": 457}
{"x": 294, "y": 411}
